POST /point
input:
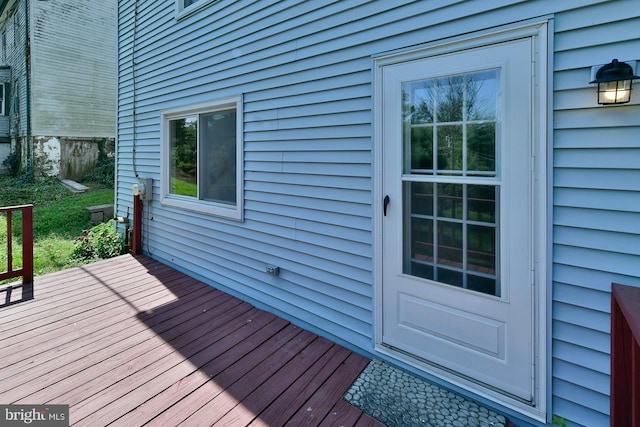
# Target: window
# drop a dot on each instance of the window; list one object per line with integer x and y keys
{"x": 185, "y": 7}
{"x": 16, "y": 98}
{"x": 3, "y": 102}
{"x": 452, "y": 179}
{"x": 202, "y": 158}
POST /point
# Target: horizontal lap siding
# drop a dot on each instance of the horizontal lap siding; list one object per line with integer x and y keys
{"x": 305, "y": 72}
{"x": 304, "y": 69}
{"x": 72, "y": 68}
{"x": 307, "y": 162}
{"x": 595, "y": 207}
{"x": 13, "y": 28}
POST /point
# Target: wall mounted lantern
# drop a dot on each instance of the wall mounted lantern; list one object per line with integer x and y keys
{"x": 614, "y": 83}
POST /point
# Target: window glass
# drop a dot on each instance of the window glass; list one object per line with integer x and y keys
{"x": 218, "y": 157}
{"x": 203, "y": 159}
{"x": 183, "y": 146}
{"x": 451, "y": 191}
{"x": 2, "y": 100}
{"x": 450, "y": 125}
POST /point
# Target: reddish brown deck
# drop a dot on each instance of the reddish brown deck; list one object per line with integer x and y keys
{"x": 130, "y": 341}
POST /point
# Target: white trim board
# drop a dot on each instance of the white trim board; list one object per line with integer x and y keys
{"x": 538, "y": 32}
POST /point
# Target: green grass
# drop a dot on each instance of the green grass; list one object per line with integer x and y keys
{"x": 59, "y": 217}
{"x": 183, "y": 188}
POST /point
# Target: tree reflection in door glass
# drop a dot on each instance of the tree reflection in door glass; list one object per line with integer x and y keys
{"x": 422, "y": 148}
{"x": 451, "y": 231}
{"x": 452, "y": 227}
{"x": 455, "y": 117}
{"x": 450, "y": 148}
{"x": 451, "y": 97}
{"x": 481, "y": 148}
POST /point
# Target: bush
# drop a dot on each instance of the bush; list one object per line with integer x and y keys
{"x": 100, "y": 242}
{"x": 12, "y": 163}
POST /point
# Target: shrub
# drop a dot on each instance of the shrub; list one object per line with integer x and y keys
{"x": 12, "y": 163}
{"x": 100, "y": 242}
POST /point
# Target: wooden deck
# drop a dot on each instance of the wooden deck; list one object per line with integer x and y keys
{"x": 130, "y": 341}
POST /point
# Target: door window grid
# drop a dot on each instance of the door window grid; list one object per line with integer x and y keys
{"x": 450, "y": 240}
{"x": 456, "y": 118}
{"x": 452, "y": 236}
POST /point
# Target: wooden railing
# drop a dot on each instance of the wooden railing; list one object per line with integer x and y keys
{"x": 625, "y": 355}
{"x": 26, "y": 271}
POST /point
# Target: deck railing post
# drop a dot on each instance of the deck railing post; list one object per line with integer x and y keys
{"x": 26, "y": 271}
{"x": 27, "y": 244}
{"x": 625, "y": 355}
{"x": 9, "y": 241}
{"x": 136, "y": 240}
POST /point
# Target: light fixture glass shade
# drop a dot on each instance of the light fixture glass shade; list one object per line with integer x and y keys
{"x": 614, "y": 83}
{"x": 616, "y": 92}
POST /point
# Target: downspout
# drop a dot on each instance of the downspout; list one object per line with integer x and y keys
{"x": 27, "y": 60}
{"x": 116, "y": 132}
{"x": 124, "y": 220}
{"x": 133, "y": 75}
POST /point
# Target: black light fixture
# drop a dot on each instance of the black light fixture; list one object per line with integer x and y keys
{"x": 614, "y": 83}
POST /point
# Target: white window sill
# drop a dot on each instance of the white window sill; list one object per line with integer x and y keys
{"x": 207, "y": 208}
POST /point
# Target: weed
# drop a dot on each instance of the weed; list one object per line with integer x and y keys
{"x": 12, "y": 163}
{"x": 59, "y": 217}
{"x": 100, "y": 242}
{"x": 558, "y": 421}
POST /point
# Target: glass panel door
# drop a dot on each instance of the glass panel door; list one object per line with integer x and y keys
{"x": 457, "y": 214}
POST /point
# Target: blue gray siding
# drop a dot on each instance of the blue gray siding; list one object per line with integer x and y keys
{"x": 596, "y": 230}
{"x": 305, "y": 71}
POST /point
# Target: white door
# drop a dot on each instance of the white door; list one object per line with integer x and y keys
{"x": 457, "y": 227}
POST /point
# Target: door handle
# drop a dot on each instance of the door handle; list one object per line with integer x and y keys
{"x": 385, "y": 203}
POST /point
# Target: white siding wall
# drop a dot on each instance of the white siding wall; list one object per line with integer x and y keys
{"x": 73, "y": 49}
{"x": 5, "y": 77}
{"x": 13, "y": 28}
{"x": 305, "y": 69}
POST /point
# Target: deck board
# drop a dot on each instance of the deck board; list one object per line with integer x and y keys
{"x": 130, "y": 341}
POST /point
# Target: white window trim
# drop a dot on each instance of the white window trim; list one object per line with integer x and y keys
{"x": 189, "y": 203}
{"x": 182, "y": 12}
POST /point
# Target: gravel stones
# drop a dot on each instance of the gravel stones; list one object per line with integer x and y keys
{"x": 397, "y": 398}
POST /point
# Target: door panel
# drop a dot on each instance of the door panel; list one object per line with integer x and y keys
{"x": 457, "y": 236}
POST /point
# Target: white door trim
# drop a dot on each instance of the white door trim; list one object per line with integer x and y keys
{"x": 538, "y": 32}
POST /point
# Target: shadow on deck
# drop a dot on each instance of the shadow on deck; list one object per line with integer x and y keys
{"x": 15, "y": 293}
{"x": 130, "y": 341}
